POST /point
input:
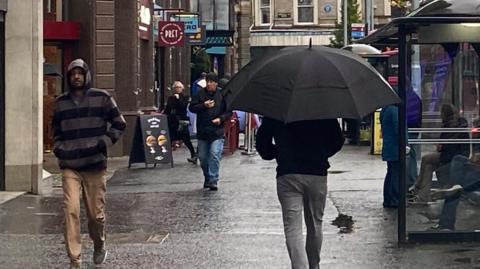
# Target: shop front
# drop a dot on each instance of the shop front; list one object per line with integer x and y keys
{"x": 438, "y": 62}
{"x": 59, "y": 41}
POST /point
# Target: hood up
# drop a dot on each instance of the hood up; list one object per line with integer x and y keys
{"x": 79, "y": 63}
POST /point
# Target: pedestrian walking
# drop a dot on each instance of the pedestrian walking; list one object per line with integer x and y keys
{"x": 178, "y": 121}
{"x": 81, "y": 137}
{"x": 389, "y": 123}
{"x": 198, "y": 84}
{"x": 210, "y": 107}
{"x": 301, "y": 150}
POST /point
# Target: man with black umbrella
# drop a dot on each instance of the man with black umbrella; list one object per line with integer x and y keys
{"x": 302, "y": 150}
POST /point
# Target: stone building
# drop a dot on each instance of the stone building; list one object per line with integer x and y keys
{"x": 280, "y": 23}
{"x": 21, "y": 50}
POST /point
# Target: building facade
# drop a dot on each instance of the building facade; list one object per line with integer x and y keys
{"x": 116, "y": 39}
{"x": 280, "y": 23}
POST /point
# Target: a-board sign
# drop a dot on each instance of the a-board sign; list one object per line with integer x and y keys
{"x": 151, "y": 141}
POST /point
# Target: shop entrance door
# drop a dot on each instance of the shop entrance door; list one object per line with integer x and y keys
{"x": 2, "y": 101}
{"x": 52, "y": 87}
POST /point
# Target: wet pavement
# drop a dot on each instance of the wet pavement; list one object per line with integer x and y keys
{"x": 162, "y": 218}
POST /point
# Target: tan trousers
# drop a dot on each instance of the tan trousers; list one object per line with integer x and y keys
{"x": 92, "y": 186}
{"x": 430, "y": 163}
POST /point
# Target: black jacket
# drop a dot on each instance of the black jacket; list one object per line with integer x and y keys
{"x": 451, "y": 150}
{"x": 300, "y": 147}
{"x": 177, "y": 107}
{"x": 206, "y": 130}
{"x": 176, "y": 110}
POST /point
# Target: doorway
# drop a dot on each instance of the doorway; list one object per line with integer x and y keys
{"x": 52, "y": 87}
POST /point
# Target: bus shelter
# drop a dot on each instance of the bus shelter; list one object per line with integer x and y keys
{"x": 438, "y": 60}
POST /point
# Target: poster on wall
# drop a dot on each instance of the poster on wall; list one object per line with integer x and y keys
{"x": 151, "y": 141}
{"x": 377, "y": 140}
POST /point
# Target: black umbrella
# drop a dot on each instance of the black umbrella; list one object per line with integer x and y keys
{"x": 303, "y": 83}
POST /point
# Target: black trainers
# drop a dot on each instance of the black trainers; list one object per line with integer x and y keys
{"x": 99, "y": 256}
{"x": 193, "y": 160}
{"x": 213, "y": 187}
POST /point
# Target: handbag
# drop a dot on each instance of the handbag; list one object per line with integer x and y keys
{"x": 183, "y": 125}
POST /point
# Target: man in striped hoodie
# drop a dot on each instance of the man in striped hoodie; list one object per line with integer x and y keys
{"x": 86, "y": 121}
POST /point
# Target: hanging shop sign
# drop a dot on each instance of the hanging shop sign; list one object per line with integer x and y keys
{"x": 198, "y": 39}
{"x": 191, "y": 21}
{"x": 171, "y": 34}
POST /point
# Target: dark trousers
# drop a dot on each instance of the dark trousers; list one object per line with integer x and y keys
{"x": 391, "y": 184}
{"x": 466, "y": 174}
{"x": 185, "y": 137}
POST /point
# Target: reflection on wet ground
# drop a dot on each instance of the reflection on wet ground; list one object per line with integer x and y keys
{"x": 162, "y": 218}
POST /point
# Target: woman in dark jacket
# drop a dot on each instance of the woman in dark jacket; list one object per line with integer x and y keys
{"x": 178, "y": 120}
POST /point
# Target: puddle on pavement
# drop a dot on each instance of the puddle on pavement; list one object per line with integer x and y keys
{"x": 459, "y": 250}
{"x": 463, "y": 260}
{"x": 336, "y": 172}
{"x": 136, "y": 238}
{"x": 344, "y": 223}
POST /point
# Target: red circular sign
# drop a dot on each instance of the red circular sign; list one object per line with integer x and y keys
{"x": 171, "y": 33}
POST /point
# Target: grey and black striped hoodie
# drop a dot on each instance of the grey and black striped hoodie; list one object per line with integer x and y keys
{"x": 81, "y": 129}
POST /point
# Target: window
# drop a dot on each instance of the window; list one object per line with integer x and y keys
{"x": 264, "y": 13}
{"x": 305, "y": 12}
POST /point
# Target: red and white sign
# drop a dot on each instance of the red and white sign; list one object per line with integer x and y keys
{"x": 171, "y": 34}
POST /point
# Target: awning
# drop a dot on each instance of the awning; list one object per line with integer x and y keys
{"x": 53, "y": 30}
{"x": 219, "y": 38}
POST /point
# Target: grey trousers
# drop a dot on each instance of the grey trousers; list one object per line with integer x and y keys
{"x": 307, "y": 192}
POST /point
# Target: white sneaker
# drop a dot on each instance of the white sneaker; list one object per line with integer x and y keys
{"x": 446, "y": 193}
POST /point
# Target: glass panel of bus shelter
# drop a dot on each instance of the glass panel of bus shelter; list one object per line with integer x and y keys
{"x": 443, "y": 165}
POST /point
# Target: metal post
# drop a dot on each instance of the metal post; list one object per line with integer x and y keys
{"x": 345, "y": 22}
{"x": 402, "y": 73}
{"x": 372, "y": 15}
{"x": 214, "y": 15}
{"x": 249, "y": 136}
{"x": 416, "y": 72}
{"x": 368, "y": 9}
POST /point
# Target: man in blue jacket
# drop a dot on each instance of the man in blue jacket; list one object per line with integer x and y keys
{"x": 389, "y": 123}
{"x": 301, "y": 150}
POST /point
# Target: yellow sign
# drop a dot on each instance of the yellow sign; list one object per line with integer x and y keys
{"x": 377, "y": 133}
